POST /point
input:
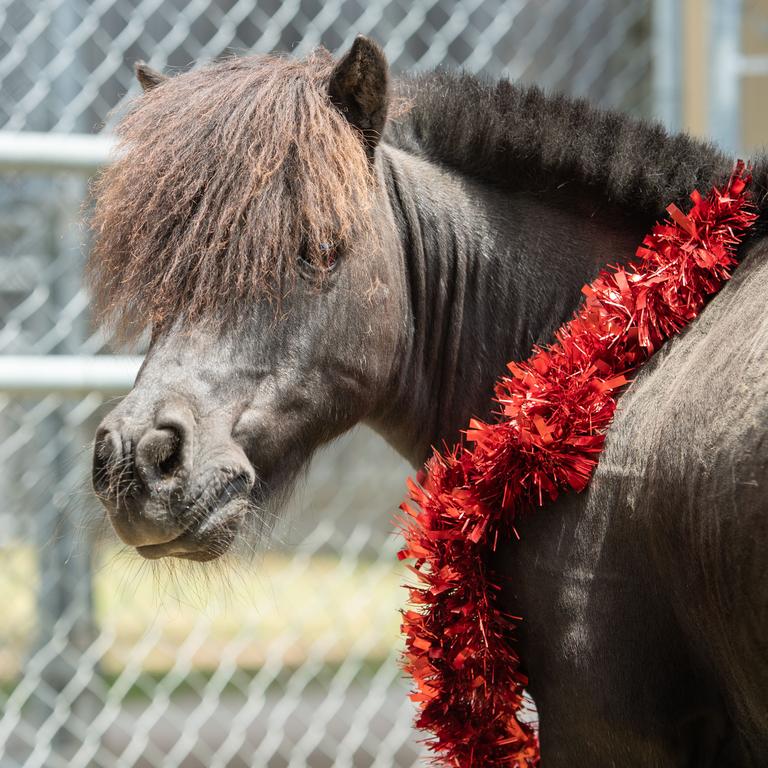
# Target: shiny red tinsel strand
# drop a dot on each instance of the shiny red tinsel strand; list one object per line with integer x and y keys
{"x": 554, "y": 411}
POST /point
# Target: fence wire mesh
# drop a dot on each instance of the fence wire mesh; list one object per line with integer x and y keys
{"x": 290, "y": 659}
{"x": 64, "y": 63}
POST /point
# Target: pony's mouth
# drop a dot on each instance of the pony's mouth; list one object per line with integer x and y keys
{"x": 215, "y": 528}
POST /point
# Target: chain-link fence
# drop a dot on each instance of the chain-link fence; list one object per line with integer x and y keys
{"x": 64, "y": 63}
{"x": 289, "y": 660}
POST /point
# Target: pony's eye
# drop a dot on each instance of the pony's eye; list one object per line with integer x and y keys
{"x": 328, "y": 253}
{"x": 322, "y": 257}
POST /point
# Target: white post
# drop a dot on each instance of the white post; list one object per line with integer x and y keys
{"x": 28, "y": 151}
{"x": 667, "y": 46}
{"x": 71, "y": 375}
{"x": 725, "y": 74}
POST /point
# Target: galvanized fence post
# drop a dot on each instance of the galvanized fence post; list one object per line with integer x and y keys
{"x": 64, "y": 603}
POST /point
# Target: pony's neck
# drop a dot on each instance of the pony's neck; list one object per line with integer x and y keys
{"x": 507, "y": 202}
{"x": 489, "y": 274}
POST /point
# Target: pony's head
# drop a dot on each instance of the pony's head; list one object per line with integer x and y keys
{"x": 245, "y": 223}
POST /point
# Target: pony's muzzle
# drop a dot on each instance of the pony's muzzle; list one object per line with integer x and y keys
{"x": 156, "y": 500}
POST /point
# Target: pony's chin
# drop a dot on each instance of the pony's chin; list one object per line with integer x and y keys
{"x": 185, "y": 549}
{"x": 207, "y": 541}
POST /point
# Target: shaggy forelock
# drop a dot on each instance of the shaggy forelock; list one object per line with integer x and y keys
{"x": 222, "y": 177}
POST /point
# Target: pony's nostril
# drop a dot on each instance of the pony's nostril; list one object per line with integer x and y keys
{"x": 108, "y": 447}
{"x": 159, "y": 455}
{"x": 167, "y": 447}
{"x": 111, "y": 472}
{"x": 106, "y": 452}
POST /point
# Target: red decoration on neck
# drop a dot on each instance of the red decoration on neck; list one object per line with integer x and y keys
{"x": 553, "y": 414}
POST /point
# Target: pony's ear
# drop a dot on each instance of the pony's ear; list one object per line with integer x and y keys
{"x": 148, "y": 78}
{"x": 359, "y": 87}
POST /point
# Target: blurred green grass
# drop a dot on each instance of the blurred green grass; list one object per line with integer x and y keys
{"x": 281, "y": 610}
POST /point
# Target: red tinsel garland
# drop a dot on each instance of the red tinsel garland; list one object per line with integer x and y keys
{"x": 555, "y": 409}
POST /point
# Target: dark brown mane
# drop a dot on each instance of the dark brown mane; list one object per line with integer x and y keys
{"x": 223, "y": 176}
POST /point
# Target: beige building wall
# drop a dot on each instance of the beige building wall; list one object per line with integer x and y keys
{"x": 696, "y": 26}
{"x": 754, "y": 89}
